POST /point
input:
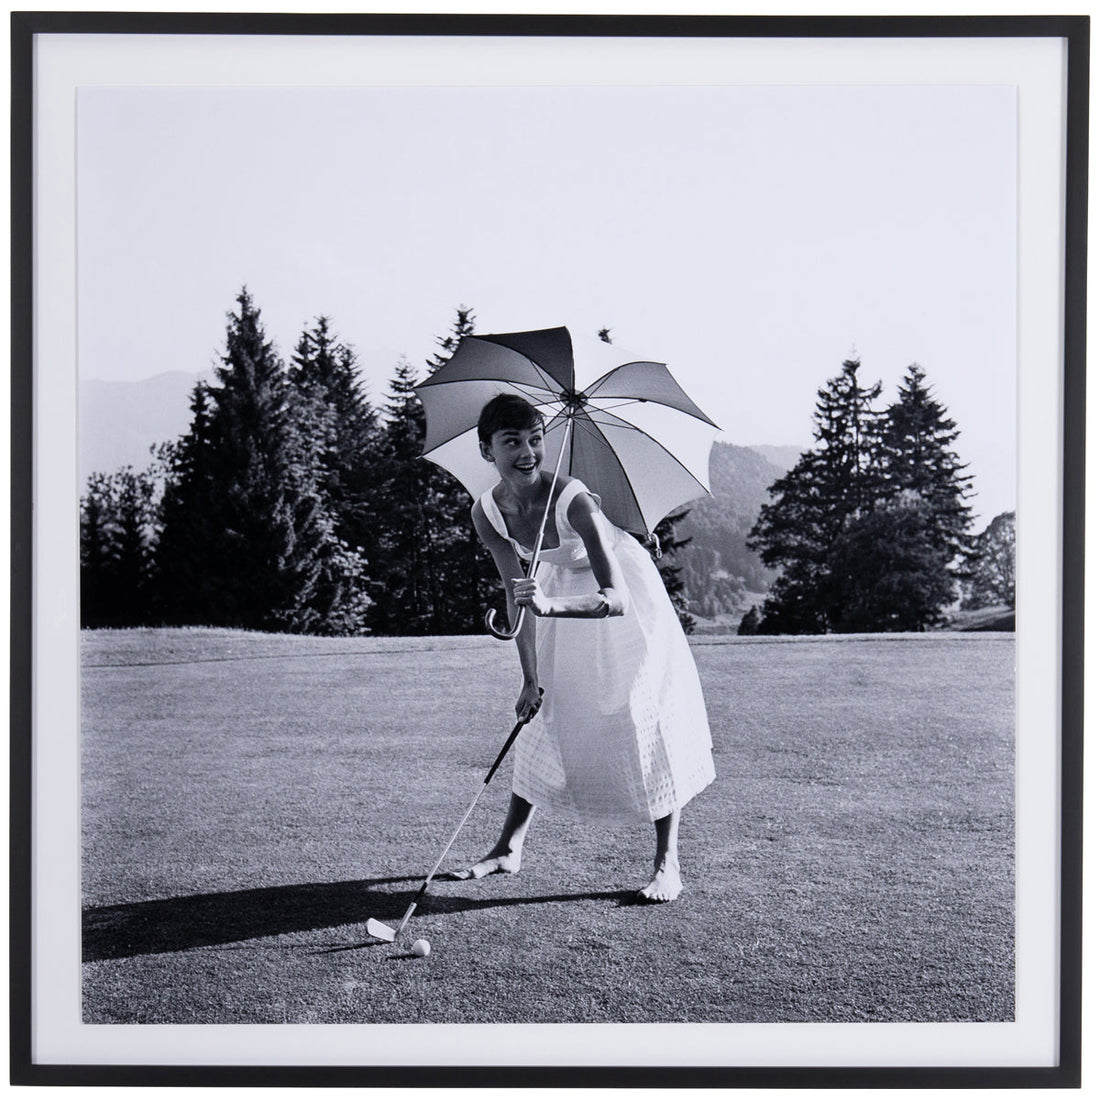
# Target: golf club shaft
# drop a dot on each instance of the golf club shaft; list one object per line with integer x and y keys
{"x": 465, "y": 817}
{"x": 442, "y": 856}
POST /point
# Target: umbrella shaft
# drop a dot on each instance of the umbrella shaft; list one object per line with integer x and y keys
{"x": 490, "y": 616}
{"x": 546, "y": 511}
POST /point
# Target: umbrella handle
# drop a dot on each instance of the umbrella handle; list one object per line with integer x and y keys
{"x": 503, "y": 635}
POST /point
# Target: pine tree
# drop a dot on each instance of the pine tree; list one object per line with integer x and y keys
{"x": 918, "y": 536}
{"x": 96, "y": 551}
{"x": 248, "y": 539}
{"x": 136, "y": 538}
{"x": 403, "y": 585}
{"x": 227, "y": 522}
{"x": 344, "y": 428}
{"x": 117, "y": 535}
{"x": 839, "y": 478}
{"x": 432, "y": 574}
{"x": 918, "y": 456}
{"x": 335, "y": 447}
{"x": 849, "y": 432}
{"x": 464, "y": 324}
{"x": 467, "y": 578}
{"x": 186, "y": 556}
{"x": 326, "y": 579}
{"x": 893, "y": 576}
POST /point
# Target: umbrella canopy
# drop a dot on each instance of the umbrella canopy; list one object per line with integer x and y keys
{"x": 634, "y": 437}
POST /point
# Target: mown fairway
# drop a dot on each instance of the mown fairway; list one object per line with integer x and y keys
{"x": 250, "y": 800}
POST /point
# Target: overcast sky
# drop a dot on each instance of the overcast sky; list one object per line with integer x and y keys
{"x": 750, "y": 237}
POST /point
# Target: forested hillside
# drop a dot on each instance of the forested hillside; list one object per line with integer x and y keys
{"x": 717, "y": 567}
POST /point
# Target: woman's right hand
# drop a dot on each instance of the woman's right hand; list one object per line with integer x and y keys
{"x": 528, "y": 703}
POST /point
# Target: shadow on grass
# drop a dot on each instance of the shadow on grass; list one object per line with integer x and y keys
{"x": 210, "y": 920}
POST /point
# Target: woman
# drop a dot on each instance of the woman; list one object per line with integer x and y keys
{"x": 624, "y": 736}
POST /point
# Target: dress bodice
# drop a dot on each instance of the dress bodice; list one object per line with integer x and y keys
{"x": 570, "y": 550}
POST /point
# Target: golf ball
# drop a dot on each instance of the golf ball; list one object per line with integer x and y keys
{"x": 422, "y": 949}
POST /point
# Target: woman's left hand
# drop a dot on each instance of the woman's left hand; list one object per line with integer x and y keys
{"x": 528, "y": 593}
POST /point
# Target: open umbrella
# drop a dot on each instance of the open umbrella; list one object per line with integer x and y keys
{"x": 631, "y": 435}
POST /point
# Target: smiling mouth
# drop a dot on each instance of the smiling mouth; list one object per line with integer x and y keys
{"x": 526, "y": 468}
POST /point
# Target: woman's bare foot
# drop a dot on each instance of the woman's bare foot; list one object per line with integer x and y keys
{"x": 495, "y": 863}
{"x": 665, "y": 884}
{"x": 505, "y": 856}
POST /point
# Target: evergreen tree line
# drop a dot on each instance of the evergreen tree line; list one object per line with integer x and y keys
{"x": 292, "y": 504}
{"x": 870, "y": 529}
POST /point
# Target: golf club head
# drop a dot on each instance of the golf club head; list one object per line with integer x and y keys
{"x": 381, "y": 931}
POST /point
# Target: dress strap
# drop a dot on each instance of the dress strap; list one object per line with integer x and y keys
{"x": 493, "y": 514}
{"x": 566, "y": 497}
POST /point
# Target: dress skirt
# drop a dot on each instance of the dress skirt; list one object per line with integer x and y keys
{"x": 622, "y": 736}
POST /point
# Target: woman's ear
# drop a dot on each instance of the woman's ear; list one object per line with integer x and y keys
{"x": 486, "y": 451}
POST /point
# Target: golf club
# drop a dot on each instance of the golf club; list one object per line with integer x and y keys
{"x": 383, "y": 931}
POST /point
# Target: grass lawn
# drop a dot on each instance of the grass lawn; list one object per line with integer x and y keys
{"x": 250, "y": 800}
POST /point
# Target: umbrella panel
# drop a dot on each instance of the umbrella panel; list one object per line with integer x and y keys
{"x": 656, "y": 484}
{"x": 461, "y": 457}
{"x": 452, "y": 407}
{"x": 550, "y": 348}
{"x": 477, "y": 357}
{"x": 686, "y": 440}
{"x": 650, "y": 382}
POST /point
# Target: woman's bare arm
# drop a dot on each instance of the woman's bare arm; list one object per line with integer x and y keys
{"x": 612, "y": 598}
{"x": 508, "y": 566}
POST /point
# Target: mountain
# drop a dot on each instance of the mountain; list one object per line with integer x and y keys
{"x": 784, "y": 457}
{"x": 718, "y": 569}
{"x": 120, "y": 421}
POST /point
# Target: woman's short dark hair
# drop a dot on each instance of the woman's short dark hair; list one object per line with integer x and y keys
{"x": 507, "y": 411}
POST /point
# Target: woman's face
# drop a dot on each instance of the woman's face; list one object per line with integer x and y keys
{"x": 517, "y": 453}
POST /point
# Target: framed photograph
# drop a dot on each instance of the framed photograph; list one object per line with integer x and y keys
{"x": 758, "y": 340}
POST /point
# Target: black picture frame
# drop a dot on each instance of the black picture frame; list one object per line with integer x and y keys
{"x": 25, "y": 26}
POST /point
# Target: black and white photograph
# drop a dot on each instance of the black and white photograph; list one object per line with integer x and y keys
{"x": 548, "y": 547}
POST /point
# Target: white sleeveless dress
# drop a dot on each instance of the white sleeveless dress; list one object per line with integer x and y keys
{"x": 622, "y": 736}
